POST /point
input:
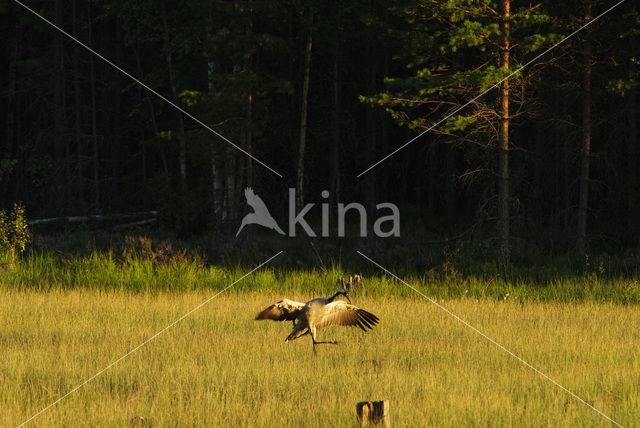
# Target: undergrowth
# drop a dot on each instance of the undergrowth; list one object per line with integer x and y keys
{"x": 143, "y": 265}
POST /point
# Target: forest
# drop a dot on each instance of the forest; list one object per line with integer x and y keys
{"x": 151, "y": 153}
{"x": 523, "y": 115}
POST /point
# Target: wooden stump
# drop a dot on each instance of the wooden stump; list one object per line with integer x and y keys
{"x": 137, "y": 421}
{"x": 372, "y": 413}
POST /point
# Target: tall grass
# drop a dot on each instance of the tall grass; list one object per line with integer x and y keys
{"x": 64, "y": 316}
{"x": 219, "y": 367}
{"x": 145, "y": 272}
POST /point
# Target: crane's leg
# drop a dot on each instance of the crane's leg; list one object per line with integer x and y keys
{"x": 330, "y": 343}
{"x": 315, "y": 342}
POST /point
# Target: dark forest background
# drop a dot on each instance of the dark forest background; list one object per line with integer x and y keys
{"x": 319, "y": 91}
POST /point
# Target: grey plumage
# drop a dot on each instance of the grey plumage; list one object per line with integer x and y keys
{"x": 318, "y": 313}
{"x": 284, "y": 310}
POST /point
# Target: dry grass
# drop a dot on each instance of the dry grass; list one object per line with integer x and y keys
{"x": 220, "y": 368}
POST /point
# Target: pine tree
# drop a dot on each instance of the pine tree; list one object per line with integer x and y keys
{"x": 456, "y": 51}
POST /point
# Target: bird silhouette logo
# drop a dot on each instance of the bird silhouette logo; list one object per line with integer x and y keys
{"x": 260, "y": 214}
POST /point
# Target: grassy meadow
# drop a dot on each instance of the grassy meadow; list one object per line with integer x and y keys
{"x": 62, "y": 319}
{"x": 219, "y": 367}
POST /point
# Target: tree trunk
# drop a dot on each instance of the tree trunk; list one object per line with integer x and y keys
{"x": 632, "y": 109}
{"x": 217, "y": 197}
{"x": 250, "y": 100}
{"x": 303, "y": 113}
{"x": 583, "y": 204}
{"x": 11, "y": 103}
{"x": 450, "y": 183}
{"x": 94, "y": 139}
{"x": 116, "y": 150}
{"x": 566, "y": 179}
{"x": 433, "y": 185}
{"x": 369, "y": 150}
{"x": 385, "y": 125}
{"x": 370, "y": 143}
{"x": 539, "y": 166}
{"x": 79, "y": 137}
{"x": 503, "y": 154}
{"x": 402, "y": 176}
{"x": 152, "y": 113}
{"x": 230, "y": 166}
{"x": 60, "y": 195}
{"x": 94, "y": 125}
{"x": 249, "y": 140}
{"x": 182, "y": 154}
{"x": 334, "y": 145}
{"x": 217, "y": 194}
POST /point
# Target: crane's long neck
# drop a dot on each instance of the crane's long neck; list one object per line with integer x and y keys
{"x": 332, "y": 298}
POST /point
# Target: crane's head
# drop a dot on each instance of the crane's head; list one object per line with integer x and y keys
{"x": 344, "y": 288}
{"x": 345, "y": 293}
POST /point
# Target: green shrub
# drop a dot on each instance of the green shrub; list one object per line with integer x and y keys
{"x": 14, "y": 232}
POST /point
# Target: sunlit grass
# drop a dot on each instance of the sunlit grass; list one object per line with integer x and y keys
{"x": 219, "y": 367}
{"x": 138, "y": 273}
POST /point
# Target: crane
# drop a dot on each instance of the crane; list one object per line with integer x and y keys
{"x": 317, "y": 313}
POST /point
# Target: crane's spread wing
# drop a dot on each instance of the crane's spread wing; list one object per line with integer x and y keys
{"x": 284, "y": 310}
{"x": 342, "y": 313}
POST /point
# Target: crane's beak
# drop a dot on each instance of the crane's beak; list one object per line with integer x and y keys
{"x": 345, "y": 295}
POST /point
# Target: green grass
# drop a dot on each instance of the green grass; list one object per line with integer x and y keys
{"x": 143, "y": 273}
{"x": 219, "y": 367}
{"x": 64, "y": 317}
